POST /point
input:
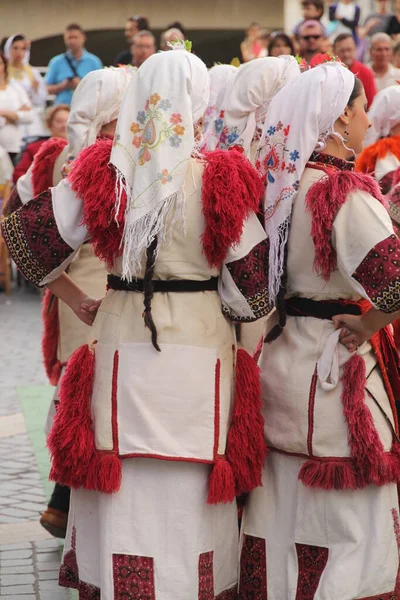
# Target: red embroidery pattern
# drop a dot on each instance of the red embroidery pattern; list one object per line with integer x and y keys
{"x": 69, "y": 574}
{"x": 312, "y": 562}
{"x": 206, "y": 576}
{"x": 231, "y": 594}
{"x": 395, "y": 595}
{"x": 250, "y": 274}
{"x": 379, "y": 274}
{"x": 33, "y": 239}
{"x": 253, "y": 569}
{"x": 386, "y": 182}
{"x": 133, "y": 577}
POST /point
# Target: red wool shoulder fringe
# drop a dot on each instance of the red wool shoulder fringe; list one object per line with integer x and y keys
{"x": 51, "y": 332}
{"x": 94, "y": 180}
{"x": 323, "y": 200}
{"x": 43, "y": 164}
{"x": 231, "y": 189}
{"x": 369, "y": 463}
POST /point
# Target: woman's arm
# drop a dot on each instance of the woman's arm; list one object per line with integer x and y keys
{"x": 357, "y": 330}
{"x": 83, "y": 306}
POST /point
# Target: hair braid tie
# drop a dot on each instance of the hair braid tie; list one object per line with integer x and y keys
{"x": 148, "y": 290}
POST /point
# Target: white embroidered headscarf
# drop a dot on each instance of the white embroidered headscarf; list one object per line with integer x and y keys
{"x": 96, "y": 102}
{"x": 299, "y": 120}
{"x": 384, "y": 113}
{"x": 153, "y": 144}
{"x": 255, "y": 85}
{"x": 7, "y": 49}
{"x": 221, "y": 82}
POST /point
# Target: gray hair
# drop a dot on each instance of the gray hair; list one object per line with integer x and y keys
{"x": 380, "y": 37}
{"x": 170, "y": 34}
{"x": 143, "y": 33}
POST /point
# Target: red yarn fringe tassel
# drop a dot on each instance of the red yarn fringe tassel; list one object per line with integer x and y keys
{"x": 246, "y": 448}
{"x": 75, "y": 460}
{"x": 328, "y": 475}
{"x": 50, "y": 337}
{"x": 221, "y": 482}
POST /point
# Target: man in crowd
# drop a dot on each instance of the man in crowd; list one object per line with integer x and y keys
{"x": 345, "y": 48}
{"x": 311, "y": 10}
{"x": 132, "y": 27}
{"x": 143, "y": 46}
{"x": 378, "y": 21}
{"x": 66, "y": 70}
{"x": 170, "y": 35}
{"x": 381, "y": 52}
{"x": 311, "y": 39}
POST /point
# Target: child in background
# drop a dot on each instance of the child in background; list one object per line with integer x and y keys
{"x": 344, "y": 17}
{"x": 311, "y": 9}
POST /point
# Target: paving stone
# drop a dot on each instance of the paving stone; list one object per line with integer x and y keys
{"x": 53, "y": 595}
{"x": 45, "y": 545}
{"x": 10, "y": 511}
{"x": 48, "y": 556}
{"x": 49, "y": 566}
{"x": 15, "y": 562}
{"x": 17, "y": 597}
{"x": 21, "y": 546}
{"x": 49, "y": 585}
{"x": 31, "y": 506}
{"x": 15, "y": 580}
{"x": 16, "y": 554}
{"x": 18, "y": 589}
{"x": 16, "y": 570}
{"x": 49, "y": 575}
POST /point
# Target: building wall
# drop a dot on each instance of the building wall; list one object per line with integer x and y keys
{"x": 42, "y": 18}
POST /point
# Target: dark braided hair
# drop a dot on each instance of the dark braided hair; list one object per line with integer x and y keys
{"x": 148, "y": 289}
{"x": 280, "y": 307}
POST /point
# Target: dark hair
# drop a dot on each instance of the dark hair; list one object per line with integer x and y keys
{"x": 396, "y": 48}
{"x": 356, "y": 93}
{"x": 141, "y": 22}
{"x": 5, "y": 61}
{"x": 177, "y": 25}
{"x": 341, "y": 37}
{"x": 19, "y": 38}
{"x": 319, "y": 4}
{"x": 148, "y": 290}
{"x": 74, "y": 27}
{"x": 280, "y": 36}
{"x": 280, "y": 298}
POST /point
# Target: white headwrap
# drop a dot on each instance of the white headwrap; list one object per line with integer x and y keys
{"x": 299, "y": 120}
{"x": 253, "y": 89}
{"x": 384, "y": 113}
{"x": 96, "y": 102}
{"x": 154, "y": 142}
{"x": 7, "y": 49}
{"x": 221, "y": 82}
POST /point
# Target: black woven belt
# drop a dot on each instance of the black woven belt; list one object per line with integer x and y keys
{"x": 319, "y": 309}
{"x": 174, "y": 285}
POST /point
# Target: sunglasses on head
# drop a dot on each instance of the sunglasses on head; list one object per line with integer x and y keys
{"x": 311, "y": 37}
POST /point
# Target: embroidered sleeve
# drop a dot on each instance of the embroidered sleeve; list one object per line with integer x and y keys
{"x": 13, "y": 203}
{"x": 34, "y": 241}
{"x": 243, "y": 283}
{"x": 368, "y": 251}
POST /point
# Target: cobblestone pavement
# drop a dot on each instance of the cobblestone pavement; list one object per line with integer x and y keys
{"x": 29, "y": 556}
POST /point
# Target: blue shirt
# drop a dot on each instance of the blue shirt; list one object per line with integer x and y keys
{"x": 59, "y": 69}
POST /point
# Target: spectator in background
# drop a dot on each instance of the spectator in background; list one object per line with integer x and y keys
{"x": 170, "y": 35}
{"x": 56, "y": 122}
{"x": 345, "y": 48}
{"x": 311, "y": 39}
{"x": 280, "y": 44}
{"x": 251, "y": 47}
{"x": 143, "y": 46}
{"x": 344, "y": 17}
{"x": 132, "y": 27}
{"x": 396, "y": 56}
{"x": 20, "y": 71}
{"x": 393, "y": 27}
{"x": 66, "y": 70}
{"x": 15, "y": 109}
{"x": 381, "y": 52}
{"x": 176, "y": 25}
{"x": 378, "y": 21}
{"x": 313, "y": 10}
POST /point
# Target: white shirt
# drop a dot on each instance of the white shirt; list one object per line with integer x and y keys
{"x": 13, "y": 98}
{"x": 391, "y": 77}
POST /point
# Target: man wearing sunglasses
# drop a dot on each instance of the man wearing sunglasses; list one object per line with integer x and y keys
{"x": 311, "y": 39}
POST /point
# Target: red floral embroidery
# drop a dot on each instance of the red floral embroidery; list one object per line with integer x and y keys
{"x": 231, "y": 594}
{"x": 253, "y": 569}
{"x": 206, "y": 576}
{"x": 133, "y": 577}
{"x": 33, "y": 239}
{"x": 69, "y": 574}
{"x": 312, "y": 562}
{"x": 250, "y": 274}
{"x": 379, "y": 274}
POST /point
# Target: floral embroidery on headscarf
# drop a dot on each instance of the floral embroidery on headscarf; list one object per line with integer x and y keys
{"x": 274, "y": 155}
{"x": 147, "y": 136}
